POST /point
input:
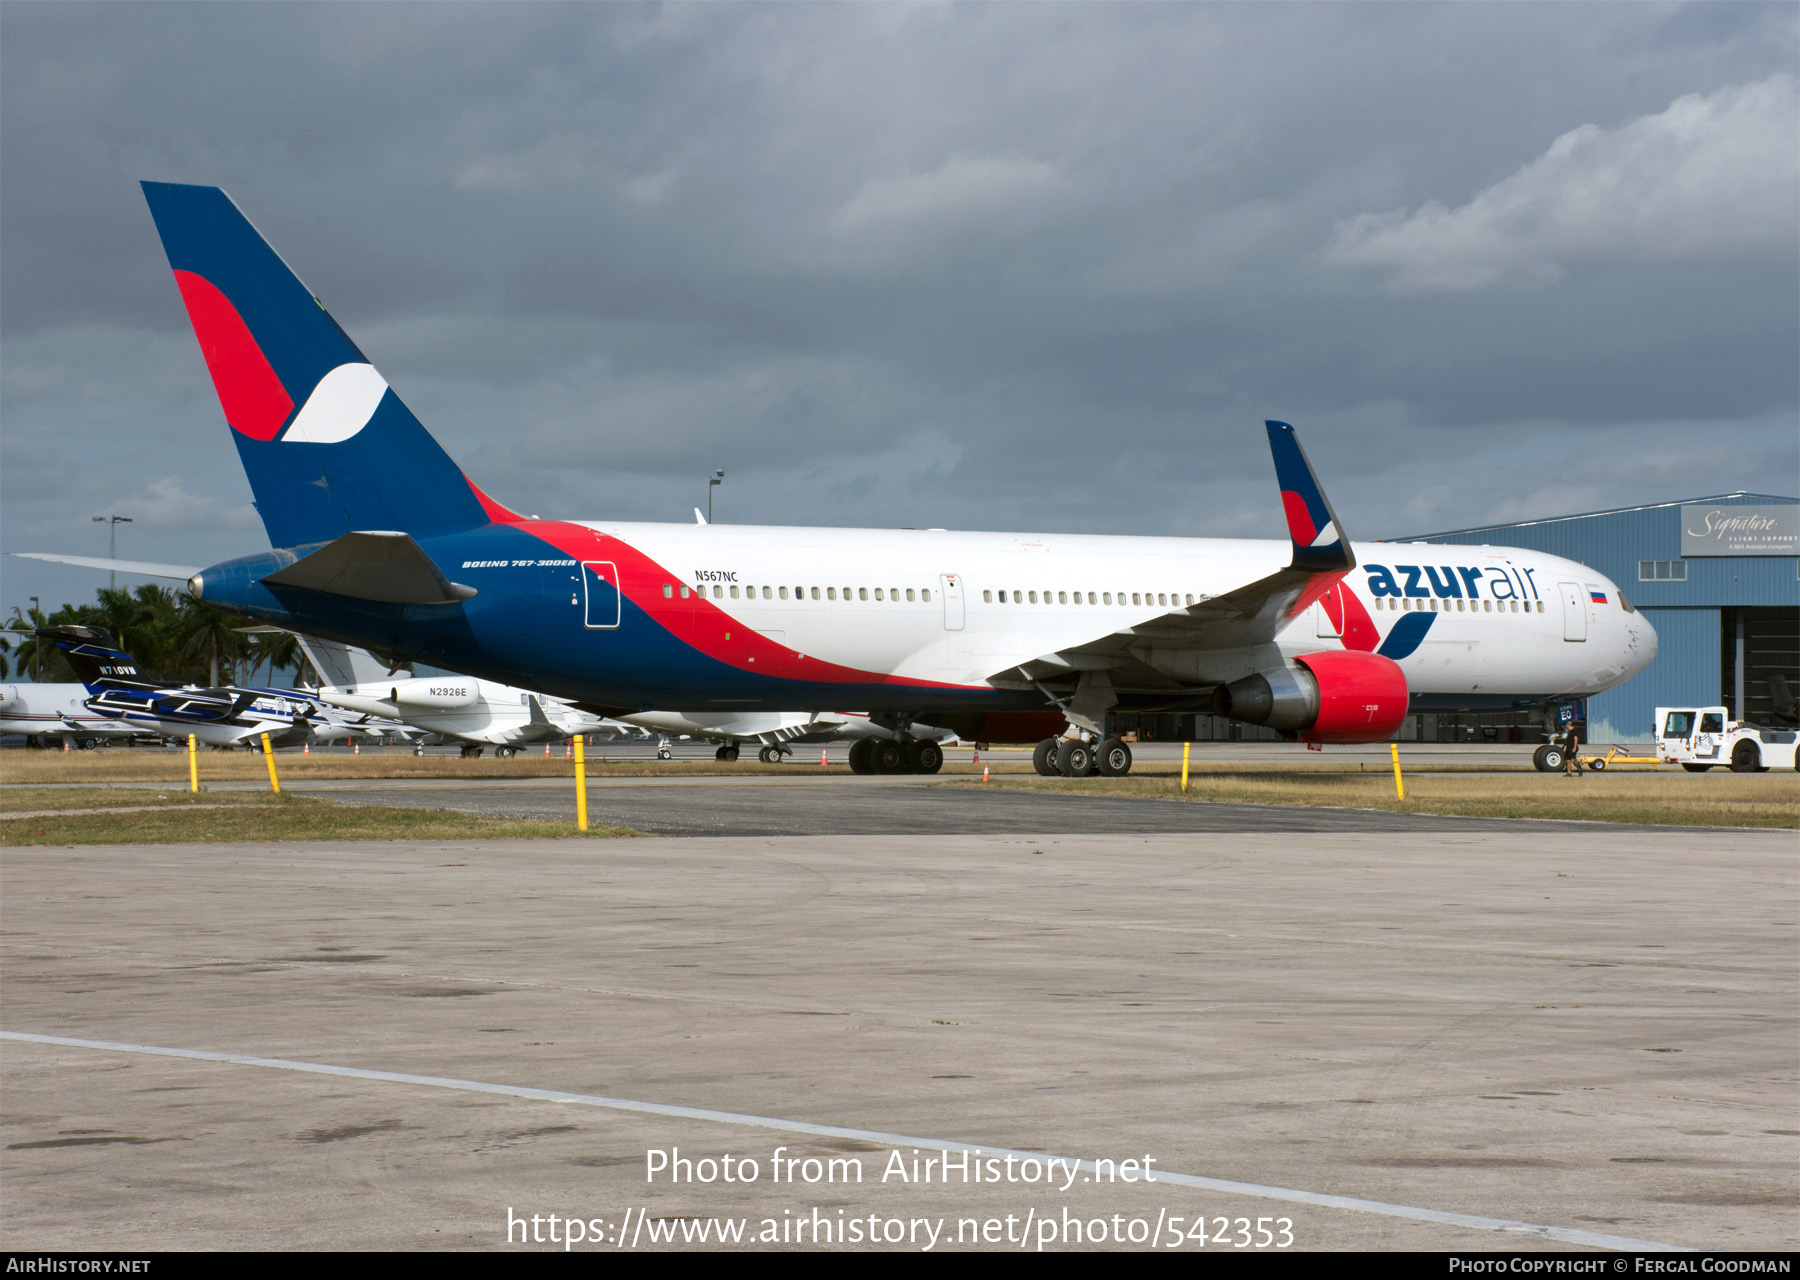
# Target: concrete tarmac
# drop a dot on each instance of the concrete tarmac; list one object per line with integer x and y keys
{"x": 776, "y": 806}
{"x": 1592, "y": 1037}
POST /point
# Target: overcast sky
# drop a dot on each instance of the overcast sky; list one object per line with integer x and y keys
{"x": 1021, "y": 266}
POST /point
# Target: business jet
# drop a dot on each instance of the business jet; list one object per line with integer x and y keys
{"x": 113, "y": 694}
{"x": 49, "y": 711}
{"x": 776, "y": 733}
{"x": 477, "y": 713}
{"x": 381, "y": 541}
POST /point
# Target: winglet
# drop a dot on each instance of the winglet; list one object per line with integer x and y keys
{"x": 1319, "y": 542}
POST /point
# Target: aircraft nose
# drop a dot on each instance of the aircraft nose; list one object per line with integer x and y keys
{"x": 1641, "y": 637}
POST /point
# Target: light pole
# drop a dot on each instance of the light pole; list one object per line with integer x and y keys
{"x": 112, "y": 545}
{"x": 713, "y": 483}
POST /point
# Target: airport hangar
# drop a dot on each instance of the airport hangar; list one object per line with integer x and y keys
{"x": 1718, "y": 577}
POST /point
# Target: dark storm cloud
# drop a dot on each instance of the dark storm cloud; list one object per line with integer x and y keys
{"x": 980, "y": 266}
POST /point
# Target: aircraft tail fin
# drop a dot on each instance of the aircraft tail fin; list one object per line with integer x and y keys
{"x": 340, "y": 666}
{"x": 327, "y": 445}
{"x": 1319, "y": 542}
{"x": 92, "y": 653}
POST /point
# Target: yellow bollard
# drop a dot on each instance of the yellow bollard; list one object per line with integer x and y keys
{"x": 1399, "y": 789}
{"x": 580, "y": 783}
{"x": 193, "y": 764}
{"x": 1185, "y": 748}
{"x": 269, "y": 755}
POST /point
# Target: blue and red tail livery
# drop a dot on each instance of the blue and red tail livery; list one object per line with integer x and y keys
{"x": 1313, "y": 529}
{"x": 327, "y": 445}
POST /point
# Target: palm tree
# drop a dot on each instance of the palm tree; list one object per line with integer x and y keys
{"x": 278, "y": 649}
{"x": 40, "y": 657}
{"x": 204, "y": 631}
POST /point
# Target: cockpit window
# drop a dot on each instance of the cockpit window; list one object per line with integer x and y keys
{"x": 1626, "y": 604}
{"x": 1679, "y": 723}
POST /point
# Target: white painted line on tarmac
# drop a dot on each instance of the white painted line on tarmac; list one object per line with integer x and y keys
{"x": 1505, "y": 1226}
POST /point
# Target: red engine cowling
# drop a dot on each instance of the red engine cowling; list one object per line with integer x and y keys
{"x": 1362, "y": 696}
{"x": 1333, "y": 696}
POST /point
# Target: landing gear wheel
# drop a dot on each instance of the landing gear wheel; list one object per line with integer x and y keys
{"x": 1114, "y": 758}
{"x": 886, "y": 756}
{"x": 663, "y": 753}
{"x": 769, "y": 755}
{"x": 1746, "y": 758}
{"x": 1043, "y": 757}
{"x": 1550, "y": 759}
{"x": 1074, "y": 758}
{"x": 1537, "y": 760}
{"x": 924, "y": 757}
{"x": 731, "y": 754}
{"x": 719, "y": 754}
{"x": 1696, "y": 768}
{"x": 859, "y": 756}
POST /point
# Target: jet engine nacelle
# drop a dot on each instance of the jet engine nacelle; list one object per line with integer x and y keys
{"x": 433, "y": 695}
{"x": 8, "y": 696}
{"x": 1340, "y": 696}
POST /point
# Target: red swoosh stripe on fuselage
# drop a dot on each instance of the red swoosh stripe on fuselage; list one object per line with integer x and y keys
{"x": 702, "y": 625}
{"x": 1351, "y": 619}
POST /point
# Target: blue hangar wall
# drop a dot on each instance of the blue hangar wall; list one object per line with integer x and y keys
{"x": 1724, "y": 624}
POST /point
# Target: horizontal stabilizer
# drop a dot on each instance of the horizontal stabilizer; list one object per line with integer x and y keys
{"x": 143, "y": 568}
{"x": 375, "y": 565}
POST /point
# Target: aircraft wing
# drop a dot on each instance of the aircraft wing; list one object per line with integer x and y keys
{"x": 142, "y": 568}
{"x": 1245, "y": 616}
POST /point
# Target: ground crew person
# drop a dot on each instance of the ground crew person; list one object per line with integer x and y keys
{"x": 1571, "y": 749}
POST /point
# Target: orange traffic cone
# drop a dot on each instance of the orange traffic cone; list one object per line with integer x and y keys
{"x": 355, "y": 747}
{"x": 546, "y": 751}
{"x": 821, "y": 757}
{"x": 306, "y": 748}
{"x": 569, "y": 749}
{"x": 65, "y": 745}
{"x": 976, "y": 758}
{"x": 984, "y": 775}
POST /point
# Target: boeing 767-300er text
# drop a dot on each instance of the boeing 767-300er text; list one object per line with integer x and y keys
{"x": 381, "y": 541}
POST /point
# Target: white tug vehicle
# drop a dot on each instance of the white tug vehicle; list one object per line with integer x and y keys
{"x": 1697, "y": 738}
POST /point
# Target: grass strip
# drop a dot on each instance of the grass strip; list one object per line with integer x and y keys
{"x": 1661, "y": 799}
{"x": 229, "y": 817}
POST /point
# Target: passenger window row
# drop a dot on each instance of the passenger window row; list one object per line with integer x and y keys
{"x": 1408, "y": 605}
{"x": 918, "y": 595}
{"x": 1166, "y": 599}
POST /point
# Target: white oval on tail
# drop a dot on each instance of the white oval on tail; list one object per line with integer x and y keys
{"x": 340, "y": 406}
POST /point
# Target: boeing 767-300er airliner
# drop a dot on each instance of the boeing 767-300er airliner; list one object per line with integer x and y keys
{"x": 381, "y": 541}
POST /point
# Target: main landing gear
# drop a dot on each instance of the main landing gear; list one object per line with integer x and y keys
{"x": 471, "y": 751}
{"x": 887, "y": 755}
{"x": 1078, "y": 758}
{"x": 773, "y": 755}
